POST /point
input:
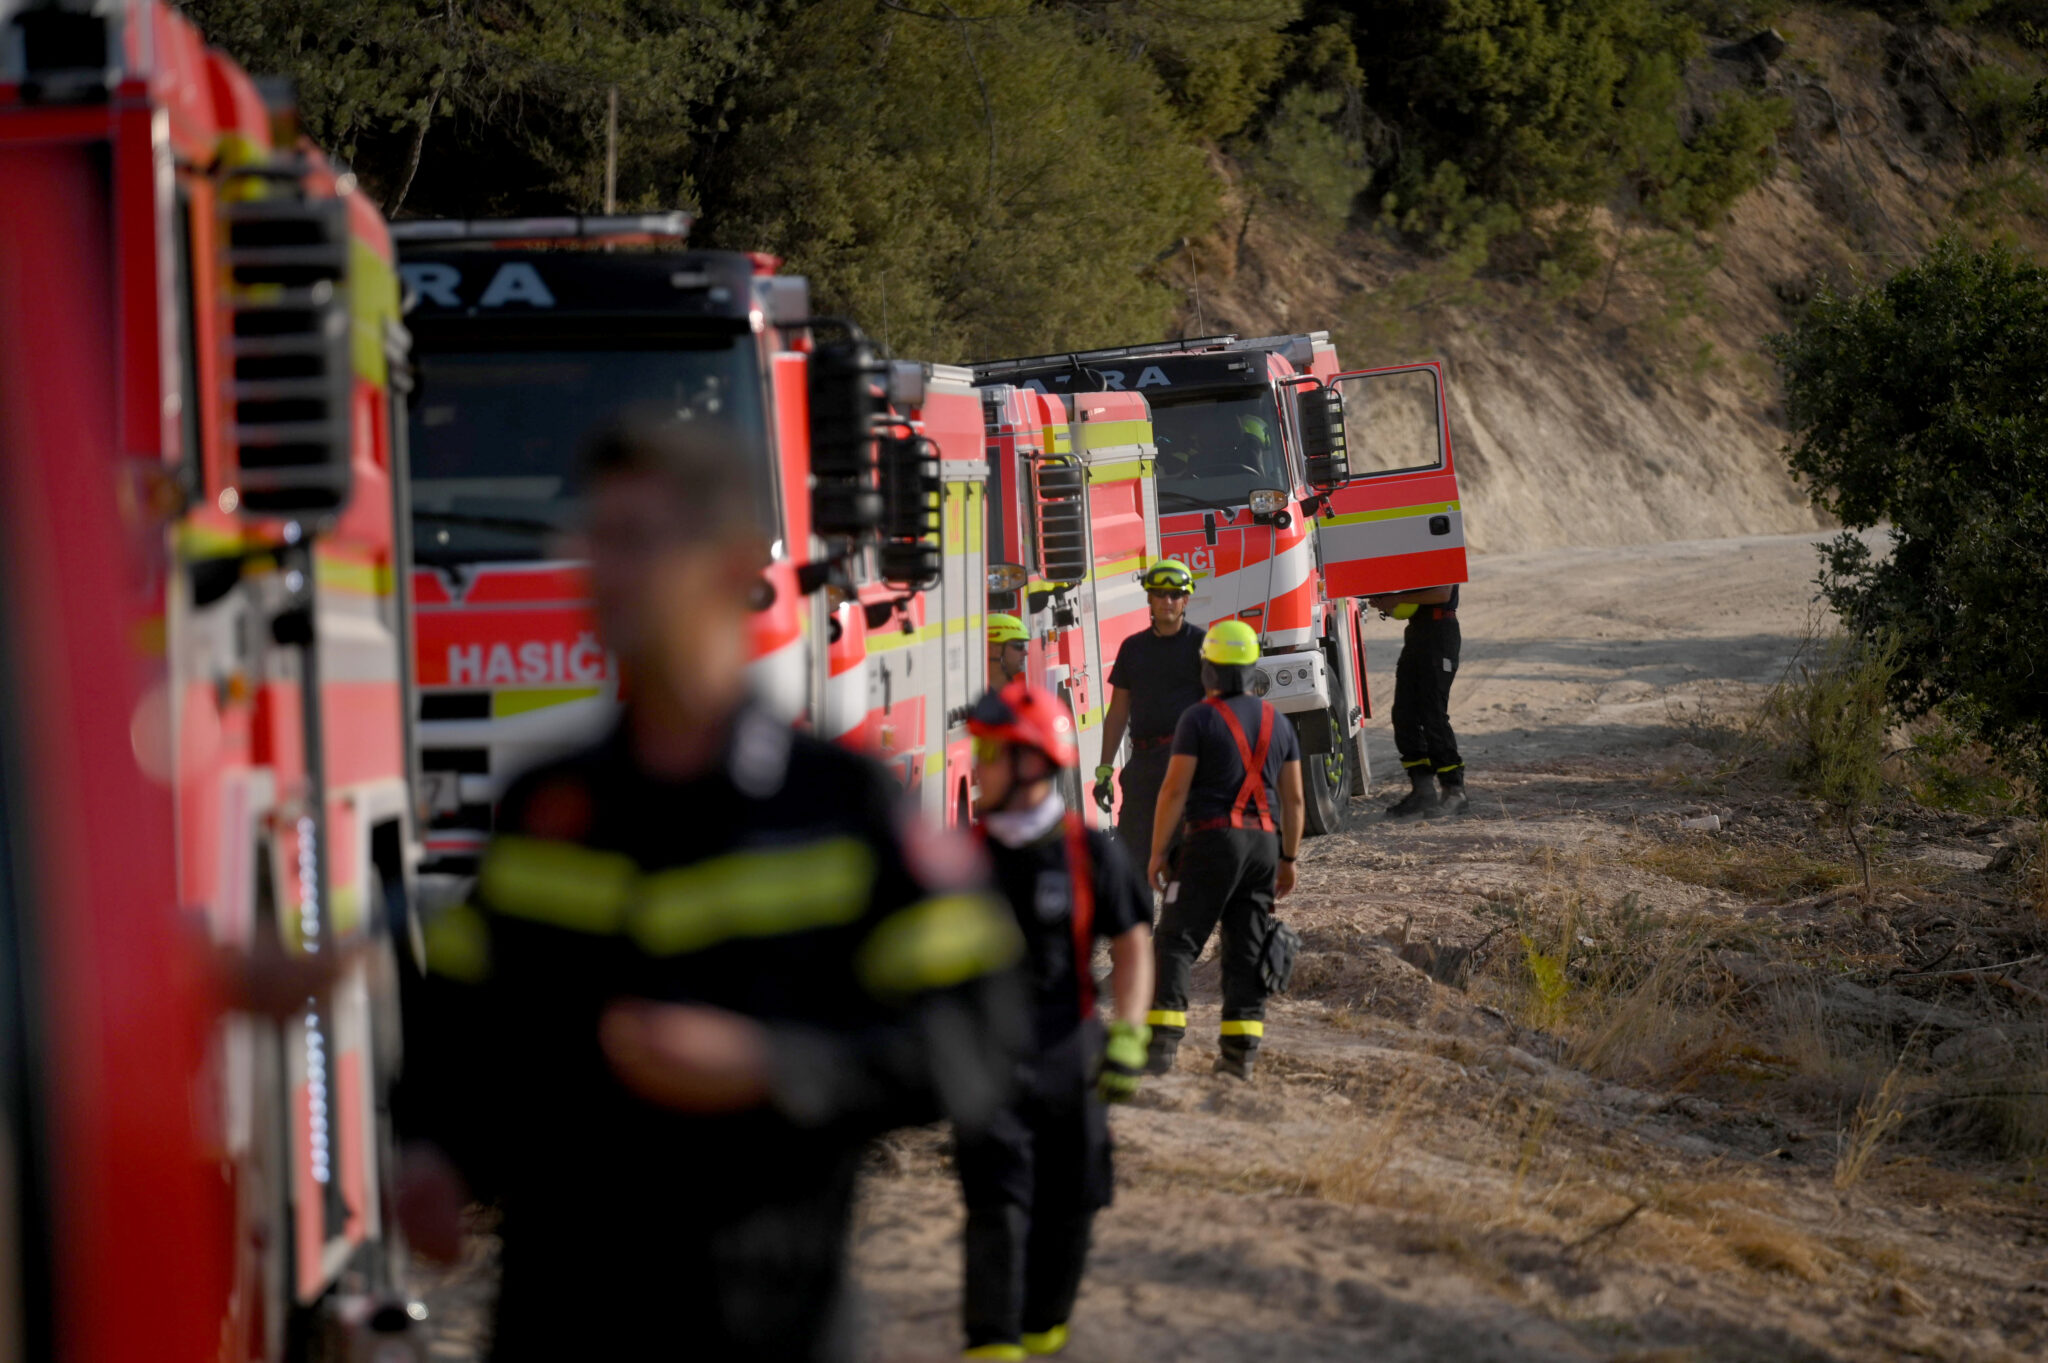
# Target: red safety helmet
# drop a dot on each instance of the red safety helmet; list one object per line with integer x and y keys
{"x": 1028, "y": 716}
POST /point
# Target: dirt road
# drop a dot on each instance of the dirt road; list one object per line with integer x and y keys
{"x": 1420, "y": 1172}
{"x": 1659, "y": 1112}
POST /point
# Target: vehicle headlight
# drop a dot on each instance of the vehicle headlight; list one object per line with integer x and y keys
{"x": 1267, "y": 500}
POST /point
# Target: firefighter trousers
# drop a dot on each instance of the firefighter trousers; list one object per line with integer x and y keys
{"x": 1422, "y": 695}
{"x": 654, "y": 1278}
{"x": 1142, "y": 777}
{"x": 1033, "y": 1180}
{"x": 1223, "y": 877}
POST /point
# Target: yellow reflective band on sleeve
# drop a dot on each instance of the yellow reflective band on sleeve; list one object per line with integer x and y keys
{"x": 1233, "y": 1027}
{"x": 459, "y": 945}
{"x": 937, "y": 943}
{"x": 1160, "y": 1017}
{"x": 557, "y": 883}
{"x": 758, "y": 893}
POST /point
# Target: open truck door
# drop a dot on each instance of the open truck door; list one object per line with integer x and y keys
{"x": 1377, "y": 441}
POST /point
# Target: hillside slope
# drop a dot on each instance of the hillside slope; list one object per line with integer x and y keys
{"x": 1624, "y": 414}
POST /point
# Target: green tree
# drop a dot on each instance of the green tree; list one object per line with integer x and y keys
{"x": 1921, "y": 404}
{"x": 1218, "y": 58}
{"x": 453, "y": 108}
{"x": 976, "y": 183}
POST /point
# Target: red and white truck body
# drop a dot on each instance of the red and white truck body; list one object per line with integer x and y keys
{"x": 201, "y": 372}
{"x": 1287, "y": 503}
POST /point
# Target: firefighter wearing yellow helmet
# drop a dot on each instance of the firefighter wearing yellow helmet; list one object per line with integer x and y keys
{"x": 1157, "y": 675}
{"x": 1008, "y": 645}
{"x": 1233, "y": 793}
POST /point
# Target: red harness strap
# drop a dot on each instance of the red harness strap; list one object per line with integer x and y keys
{"x": 1081, "y": 871}
{"x": 1253, "y": 791}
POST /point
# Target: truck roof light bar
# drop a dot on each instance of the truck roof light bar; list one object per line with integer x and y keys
{"x": 575, "y": 227}
{"x": 990, "y": 368}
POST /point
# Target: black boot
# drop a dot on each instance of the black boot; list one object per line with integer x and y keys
{"x": 1160, "y": 1052}
{"x": 1419, "y": 803}
{"x": 1452, "y": 799}
{"x": 1236, "y": 1064}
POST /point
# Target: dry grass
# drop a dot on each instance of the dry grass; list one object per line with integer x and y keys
{"x": 1769, "y": 871}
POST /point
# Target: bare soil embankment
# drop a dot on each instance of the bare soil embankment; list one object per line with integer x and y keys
{"x": 1641, "y": 407}
{"x": 1698, "y": 1142}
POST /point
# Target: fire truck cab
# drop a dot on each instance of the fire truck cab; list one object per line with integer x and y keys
{"x": 531, "y": 333}
{"x": 1290, "y": 489}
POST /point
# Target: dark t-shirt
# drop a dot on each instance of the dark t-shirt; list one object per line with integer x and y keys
{"x": 1163, "y": 675}
{"x": 1219, "y": 771}
{"x": 1033, "y": 878}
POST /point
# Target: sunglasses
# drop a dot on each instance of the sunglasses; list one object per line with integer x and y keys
{"x": 1169, "y": 596}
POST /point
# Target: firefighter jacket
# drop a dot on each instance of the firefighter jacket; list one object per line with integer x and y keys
{"x": 788, "y": 885}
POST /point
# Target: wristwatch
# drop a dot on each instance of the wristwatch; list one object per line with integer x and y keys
{"x": 1285, "y": 857}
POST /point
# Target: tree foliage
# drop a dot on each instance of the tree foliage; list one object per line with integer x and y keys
{"x": 971, "y": 186}
{"x": 1921, "y": 404}
{"x": 469, "y": 109}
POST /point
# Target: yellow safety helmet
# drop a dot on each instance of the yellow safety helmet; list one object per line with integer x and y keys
{"x": 1168, "y": 575}
{"x": 1006, "y": 629}
{"x": 1231, "y": 643}
{"x": 1256, "y": 428}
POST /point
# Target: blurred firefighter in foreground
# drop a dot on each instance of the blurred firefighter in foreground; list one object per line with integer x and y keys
{"x": 1034, "y": 1178}
{"x": 703, "y": 962}
{"x": 1008, "y": 646}
{"x": 1236, "y": 779}
{"x": 1158, "y": 674}
{"x": 1422, "y": 703}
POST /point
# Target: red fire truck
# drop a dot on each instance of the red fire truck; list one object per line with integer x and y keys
{"x": 1290, "y": 489}
{"x": 203, "y": 779}
{"x": 529, "y": 334}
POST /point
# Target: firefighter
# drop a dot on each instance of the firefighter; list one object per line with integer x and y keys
{"x": 1007, "y": 644}
{"x": 704, "y": 961}
{"x": 1035, "y": 1177}
{"x": 1422, "y": 703}
{"x": 1158, "y": 674}
{"x": 1235, "y": 779}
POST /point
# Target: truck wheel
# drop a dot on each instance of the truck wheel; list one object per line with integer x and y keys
{"x": 1326, "y": 784}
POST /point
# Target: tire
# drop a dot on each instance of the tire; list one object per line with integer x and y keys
{"x": 1326, "y": 785}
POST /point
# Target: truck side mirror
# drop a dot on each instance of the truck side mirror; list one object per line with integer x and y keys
{"x": 291, "y": 361}
{"x": 1322, "y": 436}
{"x": 849, "y": 398}
{"x": 910, "y": 554}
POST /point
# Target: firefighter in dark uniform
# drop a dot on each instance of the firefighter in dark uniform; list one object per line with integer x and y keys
{"x": 1233, "y": 789}
{"x": 703, "y": 963}
{"x": 1158, "y": 674}
{"x": 1422, "y": 703}
{"x": 1035, "y": 1177}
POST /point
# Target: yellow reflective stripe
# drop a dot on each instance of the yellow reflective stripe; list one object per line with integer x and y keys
{"x": 372, "y": 299}
{"x": 1133, "y": 564}
{"x": 351, "y": 575}
{"x": 1098, "y": 435}
{"x": 1161, "y": 1017}
{"x": 1122, "y": 471}
{"x": 557, "y": 883}
{"x": 459, "y": 945}
{"x": 1392, "y": 513}
{"x": 525, "y": 700}
{"x": 934, "y": 763}
{"x": 205, "y": 541}
{"x": 1233, "y": 1027}
{"x": 937, "y": 943}
{"x": 763, "y": 892}
{"x": 1057, "y": 438}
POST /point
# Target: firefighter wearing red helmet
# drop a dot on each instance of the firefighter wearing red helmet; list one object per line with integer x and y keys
{"x": 1036, "y": 1175}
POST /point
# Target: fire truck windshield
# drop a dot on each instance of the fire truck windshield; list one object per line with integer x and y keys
{"x": 495, "y": 434}
{"x": 1215, "y": 448}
